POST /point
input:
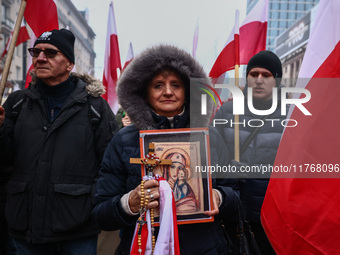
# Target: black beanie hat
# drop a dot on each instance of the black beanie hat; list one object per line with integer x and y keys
{"x": 268, "y": 60}
{"x": 63, "y": 39}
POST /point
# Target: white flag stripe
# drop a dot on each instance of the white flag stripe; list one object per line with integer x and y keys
{"x": 324, "y": 36}
{"x": 262, "y": 8}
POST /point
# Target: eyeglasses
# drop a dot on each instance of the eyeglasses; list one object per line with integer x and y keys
{"x": 49, "y": 53}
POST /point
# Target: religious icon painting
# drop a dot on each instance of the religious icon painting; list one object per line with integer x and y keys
{"x": 188, "y": 152}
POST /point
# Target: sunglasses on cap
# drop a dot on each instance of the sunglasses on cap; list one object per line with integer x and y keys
{"x": 49, "y": 53}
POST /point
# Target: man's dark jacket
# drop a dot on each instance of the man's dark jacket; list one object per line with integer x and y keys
{"x": 55, "y": 164}
{"x": 260, "y": 152}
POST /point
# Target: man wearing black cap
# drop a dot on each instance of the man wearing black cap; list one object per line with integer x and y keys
{"x": 264, "y": 72}
{"x": 54, "y": 135}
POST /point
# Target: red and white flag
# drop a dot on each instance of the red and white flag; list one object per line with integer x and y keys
{"x": 167, "y": 238}
{"x": 129, "y": 57}
{"x": 23, "y": 36}
{"x": 41, "y": 16}
{"x": 111, "y": 62}
{"x": 253, "y": 32}
{"x": 195, "y": 40}
{"x": 29, "y": 62}
{"x": 229, "y": 56}
{"x": 252, "y": 39}
{"x": 301, "y": 215}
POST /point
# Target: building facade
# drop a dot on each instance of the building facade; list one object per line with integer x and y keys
{"x": 69, "y": 17}
{"x": 282, "y": 15}
{"x": 290, "y": 46}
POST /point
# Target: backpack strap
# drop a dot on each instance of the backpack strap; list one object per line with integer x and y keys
{"x": 251, "y": 136}
{"x": 19, "y": 99}
{"x": 95, "y": 108}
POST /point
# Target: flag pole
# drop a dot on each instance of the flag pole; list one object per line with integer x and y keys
{"x": 237, "y": 119}
{"x": 11, "y": 48}
{"x": 237, "y": 84}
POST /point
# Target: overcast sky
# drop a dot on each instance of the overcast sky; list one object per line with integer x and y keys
{"x": 150, "y": 22}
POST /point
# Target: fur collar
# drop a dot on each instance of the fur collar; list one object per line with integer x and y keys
{"x": 94, "y": 86}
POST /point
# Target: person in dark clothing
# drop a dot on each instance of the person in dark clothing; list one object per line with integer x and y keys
{"x": 122, "y": 118}
{"x": 264, "y": 72}
{"x": 6, "y": 245}
{"x": 154, "y": 90}
{"x": 54, "y": 134}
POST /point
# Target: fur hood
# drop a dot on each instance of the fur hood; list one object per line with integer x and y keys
{"x": 132, "y": 84}
{"x": 94, "y": 86}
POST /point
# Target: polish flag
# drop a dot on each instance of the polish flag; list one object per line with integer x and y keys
{"x": 195, "y": 40}
{"x": 129, "y": 57}
{"x": 229, "y": 57}
{"x": 111, "y": 62}
{"x": 41, "y": 16}
{"x": 301, "y": 215}
{"x": 167, "y": 238}
{"x": 29, "y": 62}
{"x": 22, "y": 37}
{"x": 252, "y": 39}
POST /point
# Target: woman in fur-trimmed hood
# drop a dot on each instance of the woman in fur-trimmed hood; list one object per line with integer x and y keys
{"x": 132, "y": 85}
{"x": 155, "y": 92}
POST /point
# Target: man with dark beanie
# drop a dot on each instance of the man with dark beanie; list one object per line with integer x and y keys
{"x": 264, "y": 72}
{"x": 54, "y": 134}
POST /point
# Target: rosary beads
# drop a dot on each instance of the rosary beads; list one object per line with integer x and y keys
{"x": 144, "y": 200}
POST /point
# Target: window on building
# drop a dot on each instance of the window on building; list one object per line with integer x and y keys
{"x": 291, "y": 15}
{"x": 299, "y": 15}
{"x": 3, "y": 11}
{"x": 18, "y": 73}
{"x": 275, "y": 24}
{"x": 275, "y": 15}
{"x": 292, "y": 6}
{"x": 301, "y": 7}
{"x": 291, "y": 71}
{"x": 284, "y": 6}
{"x": 2, "y": 43}
{"x": 297, "y": 67}
{"x": 283, "y": 24}
{"x": 283, "y": 15}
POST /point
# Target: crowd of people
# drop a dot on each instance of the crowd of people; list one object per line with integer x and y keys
{"x": 65, "y": 157}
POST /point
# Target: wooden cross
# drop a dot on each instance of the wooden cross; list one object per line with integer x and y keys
{"x": 150, "y": 161}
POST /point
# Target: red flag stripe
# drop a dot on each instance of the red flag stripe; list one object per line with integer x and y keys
{"x": 23, "y": 36}
{"x": 252, "y": 39}
{"x": 112, "y": 62}
{"x": 256, "y": 33}
{"x": 41, "y": 16}
{"x": 224, "y": 62}
{"x": 229, "y": 56}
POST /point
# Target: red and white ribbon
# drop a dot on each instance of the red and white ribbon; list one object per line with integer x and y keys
{"x": 167, "y": 240}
